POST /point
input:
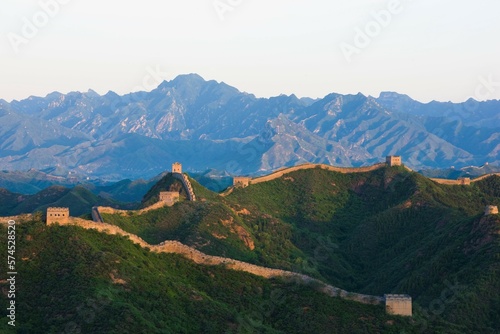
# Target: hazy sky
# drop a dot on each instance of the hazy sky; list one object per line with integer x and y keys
{"x": 442, "y": 50}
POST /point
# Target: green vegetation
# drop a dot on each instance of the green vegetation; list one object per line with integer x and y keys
{"x": 387, "y": 231}
{"x": 73, "y": 280}
{"x": 79, "y": 199}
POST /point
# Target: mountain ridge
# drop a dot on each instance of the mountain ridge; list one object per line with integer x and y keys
{"x": 211, "y": 125}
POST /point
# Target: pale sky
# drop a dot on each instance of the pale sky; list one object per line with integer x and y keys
{"x": 444, "y": 50}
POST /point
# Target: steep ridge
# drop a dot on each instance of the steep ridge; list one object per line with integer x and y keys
{"x": 187, "y": 185}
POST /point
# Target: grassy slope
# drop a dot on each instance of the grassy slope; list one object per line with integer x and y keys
{"x": 65, "y": 284}
{"x": 379, "y": 232}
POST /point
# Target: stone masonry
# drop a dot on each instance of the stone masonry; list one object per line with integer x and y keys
{"x": 176, "y": 168}
{"x": 57, "y": 215}
{"x": 393, "y": 160}
{"x": 242, "y": 182}
{"x": 398, "y": 305}
{"x": 491, "y": 210}
{"x": 169, "y": 197}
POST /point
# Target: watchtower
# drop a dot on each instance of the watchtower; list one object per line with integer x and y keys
{"x": 398, "y": 305}
{"x": 465, "y": 181}
{"x": 491, "y": 210}
{"x": 57, "y": 215}
{"x": 393, "y": 160}
{"x": 242, "y": 182}
{"x": 177, "y": 168}
{"x": 170, "y": 197}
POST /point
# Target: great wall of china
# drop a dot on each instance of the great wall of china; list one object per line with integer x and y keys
{"x": 390, "y": 161}
{"x": 198, "y": 257}
{"x": 176, "y": 173}
{"x": 395, "y": 304}
{"x": 463, "y": 181}
{"x": 343, "y": 170}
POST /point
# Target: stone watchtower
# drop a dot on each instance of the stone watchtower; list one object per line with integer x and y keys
{"x": 491, "y": 210}
{"x": 169, "y": 197}
{"x": 57, "y": 215}
{"x": 242, "y": 182}
{"x": 398, "y": 305}
{"x": 393, "y": 160}
{"x": 465, "y": 181}
{"x": 177, "y": 168}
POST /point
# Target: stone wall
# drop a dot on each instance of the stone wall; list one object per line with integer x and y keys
{"x": 462, "y": 181}
{"x": 96, "y": 216}
{"x": 176, "y": 168}
{"x": 485, "y": 176}
{"x": 448, "y": 182}
{"x": 187, "y": 185}
{"x": 239, "y": 181}
{"x": 113, "y": 211}
{"x": 204, "y": 259}
{"x": 393, "y": 160}
{"x": 17, "y": 219}
{"x": 169, "y": 197}
{"x": 344, "y": 170}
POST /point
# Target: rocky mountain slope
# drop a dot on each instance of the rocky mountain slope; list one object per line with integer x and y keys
{"x": 209, "y": 125}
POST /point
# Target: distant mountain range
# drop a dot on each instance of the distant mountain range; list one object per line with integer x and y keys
{"x": 211, "y": 125}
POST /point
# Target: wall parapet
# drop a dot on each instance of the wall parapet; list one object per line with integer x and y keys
{"x": 343, "y": 170}
{"x": 187, "y": 185}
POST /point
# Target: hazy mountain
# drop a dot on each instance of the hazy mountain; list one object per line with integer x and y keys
{"x": 206, "y": 124}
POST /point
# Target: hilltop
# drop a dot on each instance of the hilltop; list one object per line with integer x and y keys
{"x": 387, "y": 230}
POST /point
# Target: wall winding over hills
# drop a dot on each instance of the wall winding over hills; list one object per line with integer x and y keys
{"x": 204, "y": 259}
{"x": 343, "y": 170}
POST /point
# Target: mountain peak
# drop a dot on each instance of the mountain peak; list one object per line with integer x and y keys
{"x": 188, "y": 78}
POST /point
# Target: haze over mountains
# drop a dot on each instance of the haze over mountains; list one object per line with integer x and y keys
{"x": 207, "y": 125}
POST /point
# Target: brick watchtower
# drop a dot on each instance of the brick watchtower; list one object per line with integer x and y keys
{"x": 57, "y": 215}
{"x": 176, "y": 168}
{"x": 393, "y": 160}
